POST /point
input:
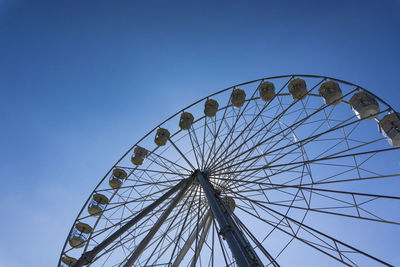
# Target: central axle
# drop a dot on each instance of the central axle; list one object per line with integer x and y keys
{"x": 239, "y": 245}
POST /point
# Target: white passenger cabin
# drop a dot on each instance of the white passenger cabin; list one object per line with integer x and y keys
{"x": 79, "y": 235}
{"x": 330, "y": 92}
{"x": 186, "y": 121}
{"x": 267, "y": 91}
{"x": 210, "y": 108}
{"x": 238, "y": 97}
{"x": 162, "y": 136}
{"x": 97, "y": 204}
{"x": 364, "y": 105}
{"x": 229, "y": 203}
{"x": 139, "y": 154}
{"x": 116, "y": 178}
{"x": 67, "y": 261}
{"x": 390, "y": 127}
{"x": 298, "y": 89}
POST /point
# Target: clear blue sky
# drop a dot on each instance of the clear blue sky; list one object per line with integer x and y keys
{"x": 81, "y": 81}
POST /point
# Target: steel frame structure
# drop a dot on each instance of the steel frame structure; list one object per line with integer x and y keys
{"x": 241, "y": 153}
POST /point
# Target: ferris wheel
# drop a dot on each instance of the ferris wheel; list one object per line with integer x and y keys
{"x": 269, "y": 172}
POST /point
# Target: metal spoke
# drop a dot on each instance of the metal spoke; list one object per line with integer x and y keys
{"x": 139, "y": 249}
{"x": 318, "y": 233}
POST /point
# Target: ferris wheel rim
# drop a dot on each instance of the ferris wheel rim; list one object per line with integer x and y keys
{"x": 291, "y": 76}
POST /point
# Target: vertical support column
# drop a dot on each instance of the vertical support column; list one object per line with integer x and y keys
{"x": 241, "y": 249}
{"x": 190, "y": 240}
{"x": 145, "y": 241}
{"x": 202, "y": 240}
